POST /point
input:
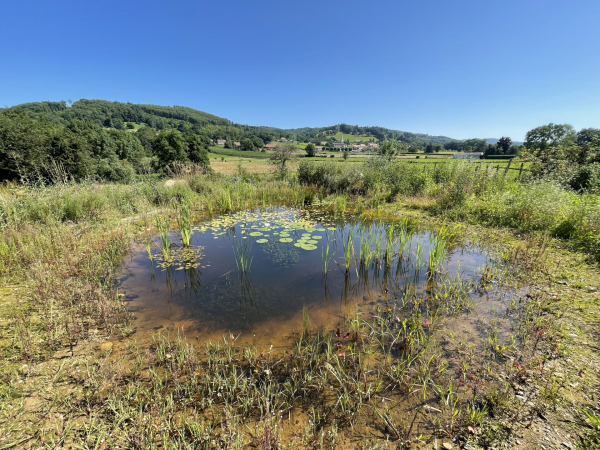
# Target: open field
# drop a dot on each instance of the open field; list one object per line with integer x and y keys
{"x": 352, "y": 138}
{"x": 239, "y": 153}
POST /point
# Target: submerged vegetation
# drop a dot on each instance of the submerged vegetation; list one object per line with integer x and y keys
{"x": 397, "y": 372}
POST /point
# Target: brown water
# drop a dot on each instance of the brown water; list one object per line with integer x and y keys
{"x": 264, "y": 305}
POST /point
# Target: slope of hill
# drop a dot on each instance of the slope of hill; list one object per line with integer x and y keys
{"x": 116, "y": 114}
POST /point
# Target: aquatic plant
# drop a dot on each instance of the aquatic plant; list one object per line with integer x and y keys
{"x": 437, "y": 252}
{"x": 348, "y": 249}
{"x": 162, "y": 224}
{"x": 242, "y": 250}
{"x": 184, "y": 222}
{"x": 389, "y": 244}
{"x": 326, "y": 256}
{"x": 419, "y": 254}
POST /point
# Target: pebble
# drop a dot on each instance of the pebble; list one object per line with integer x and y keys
{"x": 447, "y": 446}
{"x": 106, "y": 346}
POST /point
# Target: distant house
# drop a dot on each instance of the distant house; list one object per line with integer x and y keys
{"x": 237, "y": 144}
{"x": 221, "y": 141}
{"x": 318, "y": 149}
{"x": 468, "y": 155}
{"x": 323, "y": 143}
{"x": 282, "y": 139}
{"x": 270, "y": 146}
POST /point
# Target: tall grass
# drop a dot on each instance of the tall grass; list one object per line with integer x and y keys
{"x": 184, "y": 222}
{"x": 162, "y": 225}
{"x": 242, "y": 249}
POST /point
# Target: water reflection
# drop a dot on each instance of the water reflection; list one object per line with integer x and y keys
{"x": 286, "y": 271}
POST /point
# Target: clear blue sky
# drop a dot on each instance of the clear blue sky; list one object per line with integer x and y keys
{"x": 476, "y": 68}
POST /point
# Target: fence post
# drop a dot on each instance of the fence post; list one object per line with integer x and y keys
{"x": 520, "y": 170}
{"x": 507, "y": 167}
{"x": 497, "y": 169}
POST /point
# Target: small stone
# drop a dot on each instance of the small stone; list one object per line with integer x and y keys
{"x": 447, "y": 446}
{"x": 106, "y": 346}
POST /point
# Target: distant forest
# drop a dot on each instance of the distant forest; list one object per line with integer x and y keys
{"x": 115, "y": 141}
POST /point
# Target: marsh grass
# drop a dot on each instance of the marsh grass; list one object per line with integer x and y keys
{"x": 184, "y": 223}
{"x": 175, "y": 395}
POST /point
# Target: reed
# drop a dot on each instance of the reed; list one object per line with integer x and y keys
{"x": 242, "y": 249}
{"x": 348, "y": 249}
{"x": 389, "y": 244}
{"x": 184, "y": 222}
{"x": 326, "y": 255}
{"x": 162, "y": 224}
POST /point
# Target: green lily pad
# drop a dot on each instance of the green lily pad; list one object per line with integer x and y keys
{"x": 298, "y": 244}
{"x": 316, "y": 237}
{"x": 308, "y": 247}
{"x": 262, "y": 241}
{"x": 286, "y": 239}
{"x": 284, "y": 234}
{"x": 312, "y": 242}
{"x": 256, "y": 233}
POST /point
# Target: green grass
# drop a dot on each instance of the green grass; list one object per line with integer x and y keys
{"x": 352, "y": 138}
{"x": 136, "y": 126}
{"x": 237, "y": 153}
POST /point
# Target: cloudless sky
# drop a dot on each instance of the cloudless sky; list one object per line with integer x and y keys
{"x": 470, "y": 68}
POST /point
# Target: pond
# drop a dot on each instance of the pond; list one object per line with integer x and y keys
{"x": 261, "y": 274}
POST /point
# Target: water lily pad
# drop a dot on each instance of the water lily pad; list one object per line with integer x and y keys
{"x": 316, "y": 237}
{"x": 312, "y": 242}
{"x": 308, "y": 247}
{"x": 298, "y": 244}
{"x": 284, "y": 234}
{"x": 256, "y": 233}
{"x": 285, "y": 239}
{"x": 262, "y": 241}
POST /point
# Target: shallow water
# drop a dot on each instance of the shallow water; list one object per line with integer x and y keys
{"x": 264, "y": 306}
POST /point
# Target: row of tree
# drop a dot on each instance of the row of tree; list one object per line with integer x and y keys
{"x": 37, "y": 149}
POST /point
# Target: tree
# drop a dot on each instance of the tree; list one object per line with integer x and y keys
{"x": 389, "y": 149}
{"x": 247, "y": 144}
{"x": 258, "y": 142}
{"x": 541, "y": 138}
{"x": 197, "y": 150}
{"x": 346, "y": 154}
{"x": 281, "y": 155}
{"x": 170, "y": 146}
{"x": 587, "y": 135}
{"x": 310, "y": 150}
{"x": 429, "y": 148}
{"x": 504, "y": 144}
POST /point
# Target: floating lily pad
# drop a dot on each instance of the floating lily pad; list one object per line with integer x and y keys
{"x": 316, "y": 237}
{"x": 262, "y": 241}
{"x": 312, "y": 242}
{"x": 298, "y": 244}
{"x": 284, "y": 239}
{"x": 284, "y": 234}
{"x": 256, "y": 233}
{"x": 308, "y": 247}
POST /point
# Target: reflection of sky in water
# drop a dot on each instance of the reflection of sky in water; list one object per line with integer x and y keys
{"x": 282, "y": 279}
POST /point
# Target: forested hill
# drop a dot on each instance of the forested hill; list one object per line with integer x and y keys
{"x": 117, "y": 141}
{"x": 118, "y": 115}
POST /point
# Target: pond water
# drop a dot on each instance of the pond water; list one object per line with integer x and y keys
{"x": 288, "y": 247}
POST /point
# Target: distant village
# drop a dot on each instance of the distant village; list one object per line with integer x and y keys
{"x": 356, "y": 147}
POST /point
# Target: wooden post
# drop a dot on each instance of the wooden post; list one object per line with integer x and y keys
{"x": 507, "y": 167}
{"x": 497, "y": 169}
{"x": 520, "y": 170}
